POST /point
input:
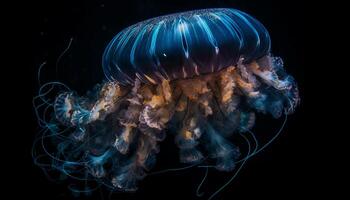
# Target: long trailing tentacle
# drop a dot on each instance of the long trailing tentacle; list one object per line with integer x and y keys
{"x": 112, "y": 133}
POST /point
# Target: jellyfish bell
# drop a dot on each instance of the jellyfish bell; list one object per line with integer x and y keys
{"x": 184, "y": 45}
{"x": 202, "y": 75}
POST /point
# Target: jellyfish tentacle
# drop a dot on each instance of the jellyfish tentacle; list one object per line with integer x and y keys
{"x": 146, "y": 152}
{"x": 127, "y": 175}
{"x": 244, "y": 160}
{"x": 157, "y": 111}
{"x": 269, "y": 76}
{"x": 73, "y": 110}
{"x": 128, "y": 119}
{"x": 220, "y": 149}
{"x": 153, "y": 106}
{"x": 198, "y": 109}
{"x": 122, "y": 141}
{"x": 264, "y": 83}
{"x": 108, "y": 101}
{"x": 226, "y": 86}
{"x": 187, "y": 140}
{"x": 208, "y": 108}
{"x": 198, "y": 193}
{"x": 95, "y": 163}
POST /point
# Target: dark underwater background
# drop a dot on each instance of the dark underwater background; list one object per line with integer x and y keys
{"x": 278, "y": 172}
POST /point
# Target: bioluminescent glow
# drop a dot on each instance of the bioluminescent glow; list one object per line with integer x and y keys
{"x": 198, "y": 76}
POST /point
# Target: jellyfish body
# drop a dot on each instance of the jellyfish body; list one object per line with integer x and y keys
{"x": 200, "y": 76}
{"x": 184, "y": 45}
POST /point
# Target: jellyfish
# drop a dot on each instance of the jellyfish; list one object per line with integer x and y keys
{"x": 198, "y": 76}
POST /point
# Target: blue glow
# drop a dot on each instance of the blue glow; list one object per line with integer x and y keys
{"x": 200, "y": 77}
{"x": 187, "y": 39}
